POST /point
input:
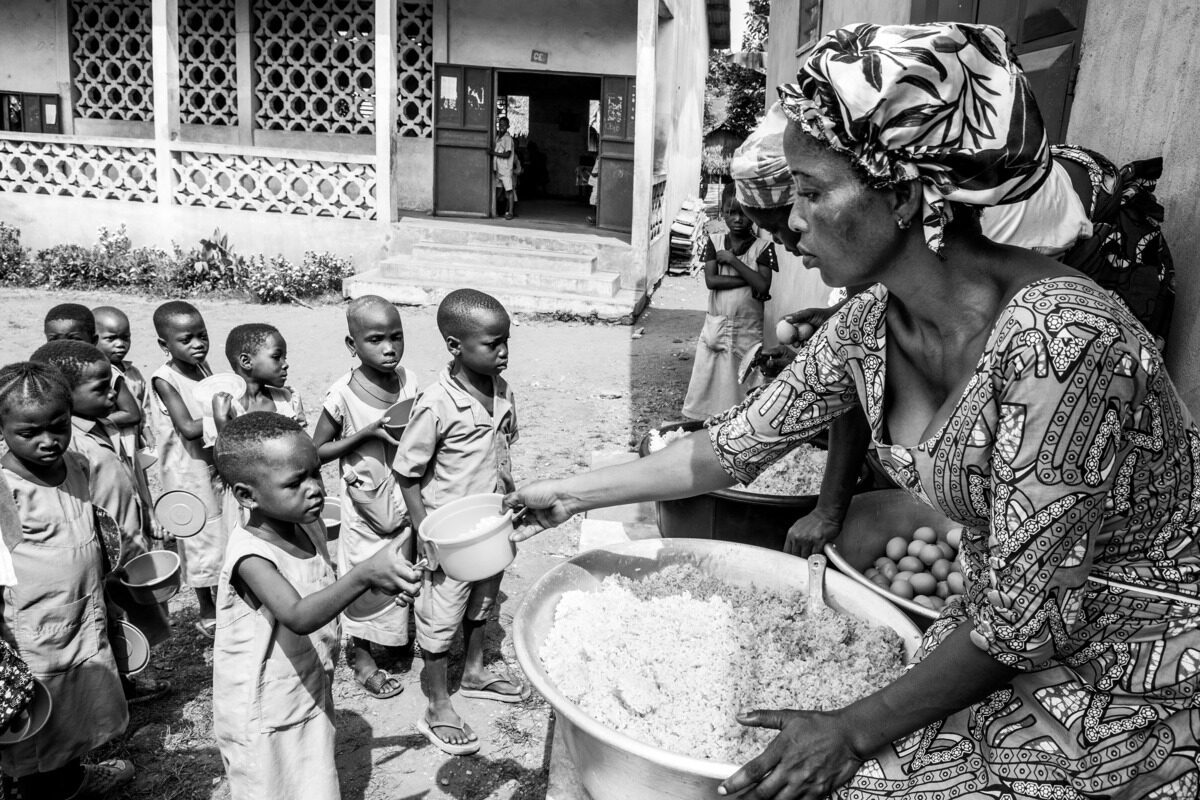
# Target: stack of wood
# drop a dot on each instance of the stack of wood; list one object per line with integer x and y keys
{"x": 687, "y": 238}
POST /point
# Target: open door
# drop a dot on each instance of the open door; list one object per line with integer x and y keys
{"x": 614, "y": 206}
{"x": 462, "y": 140}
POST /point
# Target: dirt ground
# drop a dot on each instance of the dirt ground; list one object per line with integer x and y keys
{"x": 579, "y": 388}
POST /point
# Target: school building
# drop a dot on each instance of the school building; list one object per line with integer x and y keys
{"x": 363, "y": 127}
{"x": 1114, "y": 76}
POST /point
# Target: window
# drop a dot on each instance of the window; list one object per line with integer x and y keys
{"x": 810, "y": 24}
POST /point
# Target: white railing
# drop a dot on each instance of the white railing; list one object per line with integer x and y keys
{"x": 102, "y": 169}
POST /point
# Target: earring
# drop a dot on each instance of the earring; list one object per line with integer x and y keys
{"x": 903, "y": 223}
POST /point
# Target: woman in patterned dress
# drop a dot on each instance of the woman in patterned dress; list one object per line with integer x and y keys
{"x": 1004, "y": 389}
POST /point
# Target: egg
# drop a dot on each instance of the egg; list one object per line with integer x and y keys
{"x": 923, "y": 583}
{"x": 911, "y": 564}
{"x": 948, "y": 552}
{"x": 879, "y": 562}
{"x": 786, "y": 332}
{"x": 930, "y": 555}
{"x": 941, "y": 569}
{"x": 915, "y": 547}
{"x": 943, "y": 590}
{"x": 901, "y": 589}
{"x": 881, "y": 582}
{"x": 922, "y": 600}
{"x": 925, "y": 534}
{"x": 897, "y": 548}
{"x": 954, "y": 537}
{"x": 956, "y": 583}
{"x": 903, "y": 575}
{"x": 889, "y": 570}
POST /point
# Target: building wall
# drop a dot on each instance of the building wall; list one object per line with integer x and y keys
{"x": 30, "y": 55}
{"x": 1136, "y": 98}
{"x": 579, "y": 35}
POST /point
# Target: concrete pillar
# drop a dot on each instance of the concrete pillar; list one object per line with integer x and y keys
{"x": 643, "y": 139}
{"x": 243, "y": 51}
{"x": 165, "y": 46}
{"x": 385, "y": 107}
{"x": 62, "y": 27}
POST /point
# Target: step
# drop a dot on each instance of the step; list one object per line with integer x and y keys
{"x": 494, "y": 254}
{"x": 417, "y": 270}
{"x": 623, "y": 307}
{"x": 443, "y": 231}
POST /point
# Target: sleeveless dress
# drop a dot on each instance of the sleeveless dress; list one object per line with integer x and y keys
{"x": 272, "y": 688}
{"x": 732, "y": 326}
{"x": 1071, "y": 463}
{"x": 369, "y": 463}
{"x": 55, "y": 617}
{"x": 187, "y": 464}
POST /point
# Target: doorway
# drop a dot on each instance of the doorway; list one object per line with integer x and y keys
{"x": 554, "y": 120}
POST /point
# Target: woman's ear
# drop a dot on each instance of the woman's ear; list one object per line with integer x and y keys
{"x": 907, "y": 199}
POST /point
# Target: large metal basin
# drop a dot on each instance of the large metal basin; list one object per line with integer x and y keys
{"x": 611, "y": 765}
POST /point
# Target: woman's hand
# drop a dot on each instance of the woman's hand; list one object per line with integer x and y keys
{"x": 547, "y": 508}
{"x": 806, "y": 321}
{"x": 810, "y": 757}
{"x": 775, "y": 360}
{"x": 811, "y": 533}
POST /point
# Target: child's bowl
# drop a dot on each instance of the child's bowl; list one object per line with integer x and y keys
{"x": 36, "y": 715}
{"x": 395, "y": 419}
{"x": 153, "y": 577}
{"x": 180, "y": 513}
{"x": 227, "y": 382}
{"x": 468, "y": 538}
{"x": 370, "y": 604}
{"x": 331, "y": 515}
{"x": 130, "y": 648}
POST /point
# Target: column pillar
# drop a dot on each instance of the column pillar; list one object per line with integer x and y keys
{"x": 243, "y": 50}
{"x": 165, "y": 47}
{"x": 385, "y": 106}
{"x": 643, "y": 139}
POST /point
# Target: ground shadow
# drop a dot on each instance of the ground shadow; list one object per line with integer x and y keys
{"x": 354, "y": 752}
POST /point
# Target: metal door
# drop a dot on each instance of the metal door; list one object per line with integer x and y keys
{"x": 462, "y": 140}
{"x": 1047, "y": 35}
{"x": 614, "y": 206}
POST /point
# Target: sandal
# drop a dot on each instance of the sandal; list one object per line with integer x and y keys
{"x": 143, "y": 691}
{"x": 100, "y": 779}
{"x": 207, "y": 627}
{"x": 465, "y": 749}
{"x": 377, "y": 683}
{"x": 499, "y": 674}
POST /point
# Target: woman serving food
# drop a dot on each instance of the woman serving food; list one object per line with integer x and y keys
{"x": 1006, "y": 390}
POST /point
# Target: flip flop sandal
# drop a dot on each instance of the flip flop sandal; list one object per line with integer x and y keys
{"x": 466, "y": 749}
{"x": 377, "y": 682}
{"x": 100, "y": 779}
{"x": 143, "y": 691}
{"x": 482, "y": 691}
{"x": 207, "y": 627}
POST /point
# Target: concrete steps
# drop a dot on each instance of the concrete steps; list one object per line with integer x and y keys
{"x": 529, "y": 270}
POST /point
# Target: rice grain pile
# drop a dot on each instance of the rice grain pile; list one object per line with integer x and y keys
{"x": 670, "y": 659}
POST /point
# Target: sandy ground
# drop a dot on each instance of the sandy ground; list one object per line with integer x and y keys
{"x": 579, "y": 388}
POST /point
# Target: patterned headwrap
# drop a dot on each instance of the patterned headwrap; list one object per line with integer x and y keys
{"x": 943, "y": 103}
{"x": 759, "y": 170}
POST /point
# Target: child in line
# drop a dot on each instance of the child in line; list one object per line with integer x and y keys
{"x": 112, "y": 486}
{"x": 258, "y": 353}
{"x": 277, "y": 609}
{"x": 75, "y": 321}
{"x": 737, "y": 272}
{"x": 184, "y": 461}
{"x": 373, "y": 513}
{"x": 55, "y": 614}
{"x": 457, "y": 444}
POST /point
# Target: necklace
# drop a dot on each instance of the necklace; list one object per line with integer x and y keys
{"x": 390, "y": 397}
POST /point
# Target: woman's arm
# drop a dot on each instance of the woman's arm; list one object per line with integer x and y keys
{"x": 684, "y": 468}
{"x": 849, "y": 436}
{"x": 181, "y": 418}
{"x": 387, "y": 571}
{"x": 815, "y": 752}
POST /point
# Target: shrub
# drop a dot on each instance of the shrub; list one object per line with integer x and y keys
{"x": 65, "y": 266}
{"x": 277, "y": 280}
{"x": 12, "y": 255}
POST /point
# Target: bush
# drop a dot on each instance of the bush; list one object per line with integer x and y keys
{"x": 65, "y": 266}
{"x": 277, "y": 280}
{"x": 12, "y": 255}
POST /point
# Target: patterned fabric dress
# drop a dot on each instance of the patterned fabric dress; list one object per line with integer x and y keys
{"x": 1070, "y": 461}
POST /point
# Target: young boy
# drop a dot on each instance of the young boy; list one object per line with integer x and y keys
{"x": 503, "y": 161}
{"x": 184, "y": 461}
{"x": 351, "y": 430}
{"x": 737, "y": 272}
{"x": 457, "y": 444}
{"x": 277, "y": 616}
{"x": 258, "y": 353}
{"x": 112, "y": 485}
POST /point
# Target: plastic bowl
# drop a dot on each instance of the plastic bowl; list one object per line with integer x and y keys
{"x": 331, "y": 515}
{"x": 228, "y": 382}
{"x": 180, "y": 513}
{"x": 872, "y": 519}
{"x": 153, "y": 577}
{"x": 450, "y": 539}
{"x": 395, "y": 419}
{"x": 37, "y": 713}
{"x": 614, "y": 766}
{"x": 369, "y": 605}
{"x": 130, "y": 648}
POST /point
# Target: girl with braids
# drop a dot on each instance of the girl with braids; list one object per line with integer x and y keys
{"x": 55, "y": 614}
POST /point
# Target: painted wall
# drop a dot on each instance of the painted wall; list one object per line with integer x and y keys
{"x": 1137, "y": 98}
{"x": 579, "y": 35}
{"x": 412, "y": 173}
{"x": 30, "y": 60}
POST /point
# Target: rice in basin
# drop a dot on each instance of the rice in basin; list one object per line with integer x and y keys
{"x": 797, "y": 472}
{"x": 671, "y": 659}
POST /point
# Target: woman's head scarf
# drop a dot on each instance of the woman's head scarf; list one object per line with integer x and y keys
{"x": 944, "y": 103}
{"x": 759, "y": 170}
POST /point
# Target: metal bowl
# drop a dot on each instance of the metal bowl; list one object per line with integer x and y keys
{"x": 614, "y": 766}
